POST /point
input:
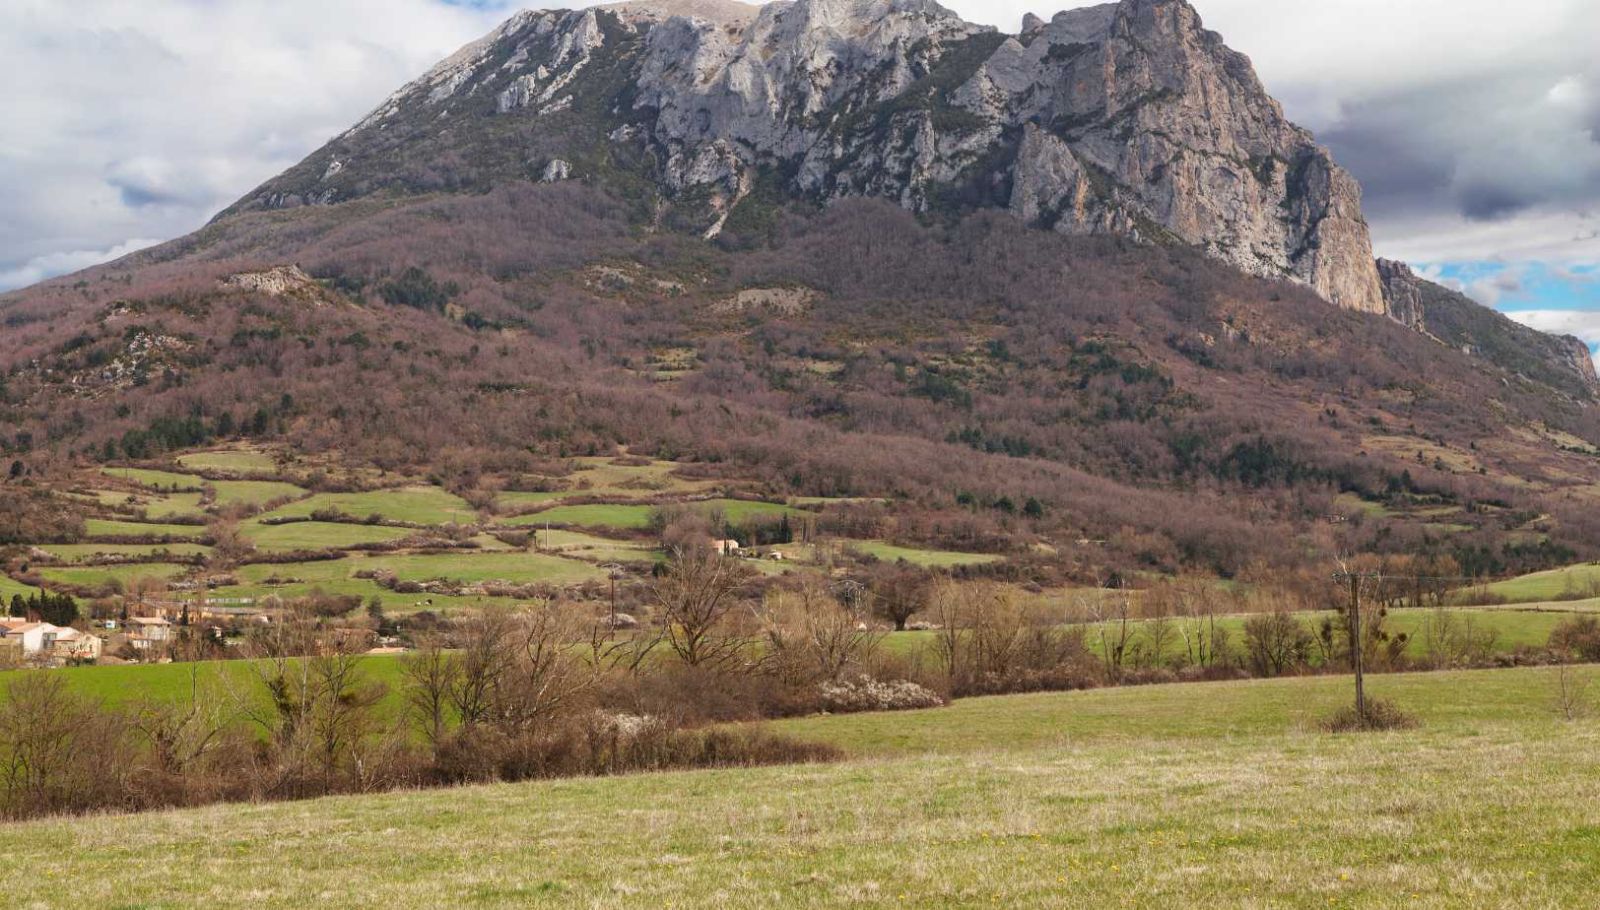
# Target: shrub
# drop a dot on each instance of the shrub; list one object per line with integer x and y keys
{"x": 867, "y": 694}
{"x": 1276, "y": 643}
{"x": 1578, "y": 636}
{"x": 1380, "y": 715}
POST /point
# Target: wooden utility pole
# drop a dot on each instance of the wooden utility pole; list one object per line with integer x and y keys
{"x": 1357, "y": 655}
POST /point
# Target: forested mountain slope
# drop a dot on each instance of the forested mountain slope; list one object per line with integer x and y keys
{"x": 585, "y": 232}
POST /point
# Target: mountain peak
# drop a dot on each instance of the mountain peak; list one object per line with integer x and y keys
{"x": 723, "y": 12}
{"x": 1126, "y": 118}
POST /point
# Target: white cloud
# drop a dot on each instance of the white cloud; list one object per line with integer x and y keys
{"x": 1582, "y": 324}
{"x": 143, "y": 119}
{"x": 41, "y": 267}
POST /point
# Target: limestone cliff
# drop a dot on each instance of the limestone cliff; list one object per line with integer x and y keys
{"x": 1128, "y": 118}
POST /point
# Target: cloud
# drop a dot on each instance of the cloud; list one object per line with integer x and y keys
{"x": 41, "y": 267}
{"x": 1582, "y": 324}
{"x": 134, "y": 120}
{"x": 1459, "y": 117}
{"x": 1472, "y": 127}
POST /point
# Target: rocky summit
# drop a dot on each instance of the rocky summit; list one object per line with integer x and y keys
{"x": 1125, "y": 119}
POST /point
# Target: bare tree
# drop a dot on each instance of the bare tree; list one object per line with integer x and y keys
{"x": 482, "y": 662}
{"x": 182, "y": 734}
{"x": 810, "y": 633}
{"x": 899, "y": 592}
{"x": 1572, "y": 695}
{"x": 697, "y": 594}
{"x": 545, "y": 675}
{"x": 1275, "y": 642}
{"x": 1110, "y": 614}
{"x": 431, "y": 674}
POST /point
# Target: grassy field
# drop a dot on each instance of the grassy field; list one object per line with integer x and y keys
{"x": 156, "y": 480}
{"x": 413, "y": 505}
{"x": 254, "y": 492}
{"x": 1178, "y": 796}
{"x": 232, "y": 461}
{"x": 622, "y": 517}
{"x": 636, "y": 516}
{"x": 739, "y": 511}
{"x": 99, "y": 528}
{"x": 1512, "y": 629}
{"x": 318, "y": 535}
{"x": 136, "y": 683}
{"x": 337, "y": 577}
{"x": 10, "y": 588}
{"x": 514, "y": 567}
{"x": 95, "y": 576}
{"x": 929, "y": 558}
{"x": 85, "y": 552}
{"x": 596, "y": 549}
{"x": 599, "y": 477}
{"x": 1547, "y": 586}
{"x": 157, "y": 507}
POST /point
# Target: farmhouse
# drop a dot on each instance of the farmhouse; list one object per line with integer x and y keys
{"x": 43, "y": 641}
{"x": 146, "y": 632}
{"x": 72, "y": 646}
{"x": 726, "y": 547}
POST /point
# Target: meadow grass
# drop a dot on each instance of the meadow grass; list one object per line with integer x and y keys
{"x": 337, "y": 577}
{"x": 622, "y": 517}
{"x": 155, "y": 480}
{"x": 156, "y": 507}
{"x": 1549, "y": 585}
{"x": 10, "y": 587}
{"x": 1175, "y": 796}
{"x": 928, "y": 558}
{"x": 125, "y": 684}
{"x": 740, "y": 511}
{"x": 96, "y": 576}
{"x": 100, "y": 527}
{"x": 84, "y": 552}
{"x": 318, "y": 535}
{"x": 515, "y": 567}
{"x": 413, "y": 505}
{"x": 254, "y": 492}
{"x": 598, "y": 477}
{"x": 597, "y": 549}
{"x": 636, "y": 516}
{"x": 237, "y": 461}
{"x": 1512, "y": 629}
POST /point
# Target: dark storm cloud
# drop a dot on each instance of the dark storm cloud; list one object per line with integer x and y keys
{"x": 1483, "y": 149}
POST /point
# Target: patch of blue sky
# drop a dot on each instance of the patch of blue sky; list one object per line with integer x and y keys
{"x": 1517, "y": 286}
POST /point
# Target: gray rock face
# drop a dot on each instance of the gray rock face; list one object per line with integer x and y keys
{"x": 1402, "y": 291}
{"x": 1128, "y": 118}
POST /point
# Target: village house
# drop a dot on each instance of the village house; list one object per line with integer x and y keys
{"x": 72, "y": 646}
{"x": 146, "y": 632}
{"x": 43, "y": 641}
{"x": 726, "y": 547}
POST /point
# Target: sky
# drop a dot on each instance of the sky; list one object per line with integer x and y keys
{"x": 1473, "y": 125}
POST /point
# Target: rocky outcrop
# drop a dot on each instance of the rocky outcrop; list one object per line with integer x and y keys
{"x": 284, "y": 281}
{"x": 1561, "y": 362}
{"x": 1402, "y": 292}
{"x": 1579, "y": 358}
{"x": 1128, "y": 118}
